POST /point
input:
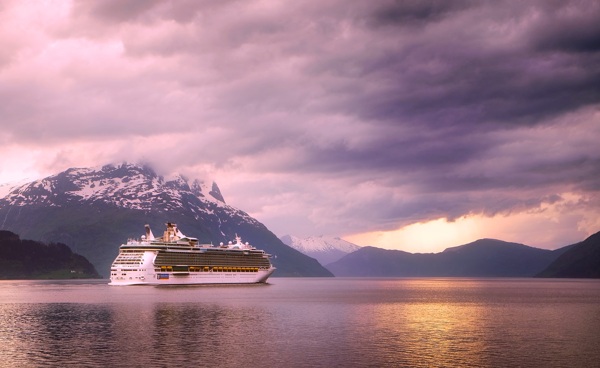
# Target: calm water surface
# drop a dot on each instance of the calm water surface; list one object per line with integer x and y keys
{"x": 303, "y": 322}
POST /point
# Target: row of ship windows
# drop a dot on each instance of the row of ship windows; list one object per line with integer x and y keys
{"x": 130, "y": 278}
{"x": 196, "y": 269}
{"x": 123, "y": 273}
{"x": 211, "y": 261}
{"x": 209, "y": 255}
{"x": 211, "y": 265}
{"x": 128, "y": 258}
{"x": 206, "y": 269}
{"x": 200, "y": 267}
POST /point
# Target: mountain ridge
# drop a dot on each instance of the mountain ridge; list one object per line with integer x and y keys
{"x": 579, "y": 260}
{"x": 481, "y": 258}
{"x": 28, "y": 259}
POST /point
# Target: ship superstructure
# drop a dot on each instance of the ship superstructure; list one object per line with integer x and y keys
{"x": 176, "y": 259}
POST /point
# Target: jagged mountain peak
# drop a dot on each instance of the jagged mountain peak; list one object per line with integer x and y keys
{"x": 216, "y": 192}
{"x": 125, "y": 185}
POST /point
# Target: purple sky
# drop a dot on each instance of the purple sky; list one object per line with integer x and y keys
{"x": 413, "y": 125}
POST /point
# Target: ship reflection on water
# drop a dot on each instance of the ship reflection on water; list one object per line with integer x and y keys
{"x": 83, "y": 334}
{"x": 304, "y": 322}
{"x": 173, "y": 335}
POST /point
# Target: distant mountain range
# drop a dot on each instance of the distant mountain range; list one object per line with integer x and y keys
{"x": 28, "y": 259}
{"x": 95, "y": 210}
{"x": 324, "y": 249}
{"x": 482, "y": 258}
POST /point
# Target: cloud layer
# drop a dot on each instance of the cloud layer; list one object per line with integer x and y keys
{"x": 322, "y": 117}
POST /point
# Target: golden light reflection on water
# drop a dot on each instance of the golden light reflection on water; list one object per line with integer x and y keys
{"x": 438, "y": 334}
{"x": 423, "y": 328}
{"x": 477, "y": 323}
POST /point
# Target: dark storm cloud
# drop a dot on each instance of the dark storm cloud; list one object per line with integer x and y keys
{"x": 402, "y": 13}
{"x": 475, "y": 81}
{"x": 465, "y": 88}
{"x": 118, "y": 10}
{"x": 483, "y": 90}
{"x": 569, "y": 27}
{"x": 400, "y": 153}
{"x": 424, "y": 109}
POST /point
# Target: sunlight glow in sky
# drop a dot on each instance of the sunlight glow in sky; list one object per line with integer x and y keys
{"x": 434, "y": 236}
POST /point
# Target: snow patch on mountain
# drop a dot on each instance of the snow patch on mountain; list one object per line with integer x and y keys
{"x": 6, "y": 188}
{"x": 319, "y": 243}
{"x": 126, "y": 185}
{"x": 324, "y": 249}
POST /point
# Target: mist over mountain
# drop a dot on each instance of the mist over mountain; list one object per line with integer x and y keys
{"x": 482, "y": 258}
{"x": 324, "y": 249}
{"x": 95, "y": 210}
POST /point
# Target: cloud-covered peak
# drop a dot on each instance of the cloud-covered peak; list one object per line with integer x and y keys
{"x": 125, "y": 185}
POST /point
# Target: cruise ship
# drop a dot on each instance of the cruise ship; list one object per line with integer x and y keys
{"x": 176, "y": 259}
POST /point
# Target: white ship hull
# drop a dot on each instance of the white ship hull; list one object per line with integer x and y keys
{"x": 175, "y": 259}
{"x": 177, "y": 278}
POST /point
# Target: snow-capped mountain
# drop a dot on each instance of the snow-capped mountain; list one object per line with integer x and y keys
{"x": 94, "y": 210}
{"x": 127, "y": 186}
{"x": 6, "y": 188}
{"x": 324, "y": 249}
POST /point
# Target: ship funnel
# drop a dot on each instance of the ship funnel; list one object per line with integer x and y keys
{"x": 149, "y": 235}
{"x": 171, "y": 232}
